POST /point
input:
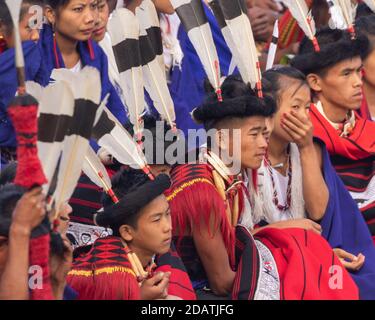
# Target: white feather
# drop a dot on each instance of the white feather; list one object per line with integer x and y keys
{"x": 93, "y": 167}
{"x": 370, "y": 4}
{"x": 34, "y": 89}
{"x": 57, "y": 99}
{"x": 120, "y": 144}
{"x": 337, "y": 20}
{"x": 86, "y": 85}
{"x": 240, "y": 40}
{"x": 202, "y": 40}
{"x": 148, "y": 17}
{"x": 348, "y": 10}
{"x": 155, "y": 81}
{"x": 273, "y": 47}
{"x": 14, "y": 7}
{"x": 301, "y": 13}
{"x": 157, "y": 87}
{"x": 124, "y": 25}
{"x": 82, "y": 83}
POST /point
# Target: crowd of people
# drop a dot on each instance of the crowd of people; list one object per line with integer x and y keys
{"x": 187, "y": 149}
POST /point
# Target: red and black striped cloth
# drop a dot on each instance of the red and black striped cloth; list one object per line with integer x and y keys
{"x": 105, "y": 273}
{"x": 354, "y": 160}
{"x": 303, "y": 259}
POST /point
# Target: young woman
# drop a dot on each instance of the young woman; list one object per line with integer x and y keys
{"x": 28, "y": 32}
{"x": 207, "y": 201}
{"x": 64, "y": 43}
{"x": 298, "y": 187}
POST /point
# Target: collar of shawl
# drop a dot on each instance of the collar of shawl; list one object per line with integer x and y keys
{"x": 344, "y": 128}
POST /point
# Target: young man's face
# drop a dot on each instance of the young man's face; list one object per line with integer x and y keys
{"x": 250, "y": 151}
{"x": 153, "y": 234}
{"x": 342, "y": 84}
{"x": 254, "y": 142}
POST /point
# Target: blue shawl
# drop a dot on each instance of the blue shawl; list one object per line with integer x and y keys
{"x": 344, "y": 227}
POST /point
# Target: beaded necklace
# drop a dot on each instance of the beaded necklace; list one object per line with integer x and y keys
{"x": 275, "y": 198}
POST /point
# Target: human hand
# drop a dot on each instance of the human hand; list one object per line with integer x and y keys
{"x": 156, "y": 287}
{"x": 350, "y": 261}
{"x": 30, "y": 210}
{"x": 306, "y": 224}
{"x": 299, "y": 127}
{"x": 261, "y": 23}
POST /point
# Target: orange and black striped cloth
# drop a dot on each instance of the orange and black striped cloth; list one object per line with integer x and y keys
{"x": 290, "y": 32}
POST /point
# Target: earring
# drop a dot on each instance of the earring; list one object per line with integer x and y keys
{"x": 55, "y": 48}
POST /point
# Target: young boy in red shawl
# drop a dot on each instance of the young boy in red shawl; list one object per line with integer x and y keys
{"x": 209, "y": 199}
{"x": 335, "y": 78}
{"x": 122, "y": 266}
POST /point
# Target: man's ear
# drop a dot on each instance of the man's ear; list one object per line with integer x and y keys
{"x": 315, "y": 82}
{"x": 126, "y": 232}
{"x": 2, "y": 30}
{"x": 50, "y": 14}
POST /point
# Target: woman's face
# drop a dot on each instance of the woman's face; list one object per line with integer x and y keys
{"x": 101, "y": 23}
{"x": 75, "y": 21}
{"x": 294, "y": 95}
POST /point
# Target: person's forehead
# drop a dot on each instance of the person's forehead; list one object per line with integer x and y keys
{"x": 157, "y": 205}
{"x": 255, "y": 121}
{"x": 353, "y": 63}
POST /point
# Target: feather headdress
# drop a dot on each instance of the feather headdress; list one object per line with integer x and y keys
{"x": 194, "y": 20}
{"x": 301, "y": 13}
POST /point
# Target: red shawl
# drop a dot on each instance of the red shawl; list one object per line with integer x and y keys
{"x": 307, "y": 266}
{"x": 358, "y": 146}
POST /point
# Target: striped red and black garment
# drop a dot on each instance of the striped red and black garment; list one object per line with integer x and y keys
{"x": 179, "y": 281}
{"x": 354, "y": 160}
{"x": 104, "y": 273}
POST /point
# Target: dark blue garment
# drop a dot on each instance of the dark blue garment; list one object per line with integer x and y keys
{"x": 34, "y": 70}
{"x": 99, "y": 61}
{"x": 39, "y": 64}
{"x": 69, "y": 293}
{"x": 344, "y": 227}
{"x": 187, "y": 84}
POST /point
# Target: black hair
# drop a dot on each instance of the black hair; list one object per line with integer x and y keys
{"x": 8, "y": 173}
{"x": 239, "y": 101}
{"x": 123, "y": 182}
{"x": 9, "y": 196}
{"x": 150, "y": 123}
{"x": 272, "y": 79}
{"x": 335, "y": 46}
{"x": 365, "y": 26}
{"x": 362, "y": 11}
{"x": 56, "y": 4}
{"x": 5, "y": 17}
